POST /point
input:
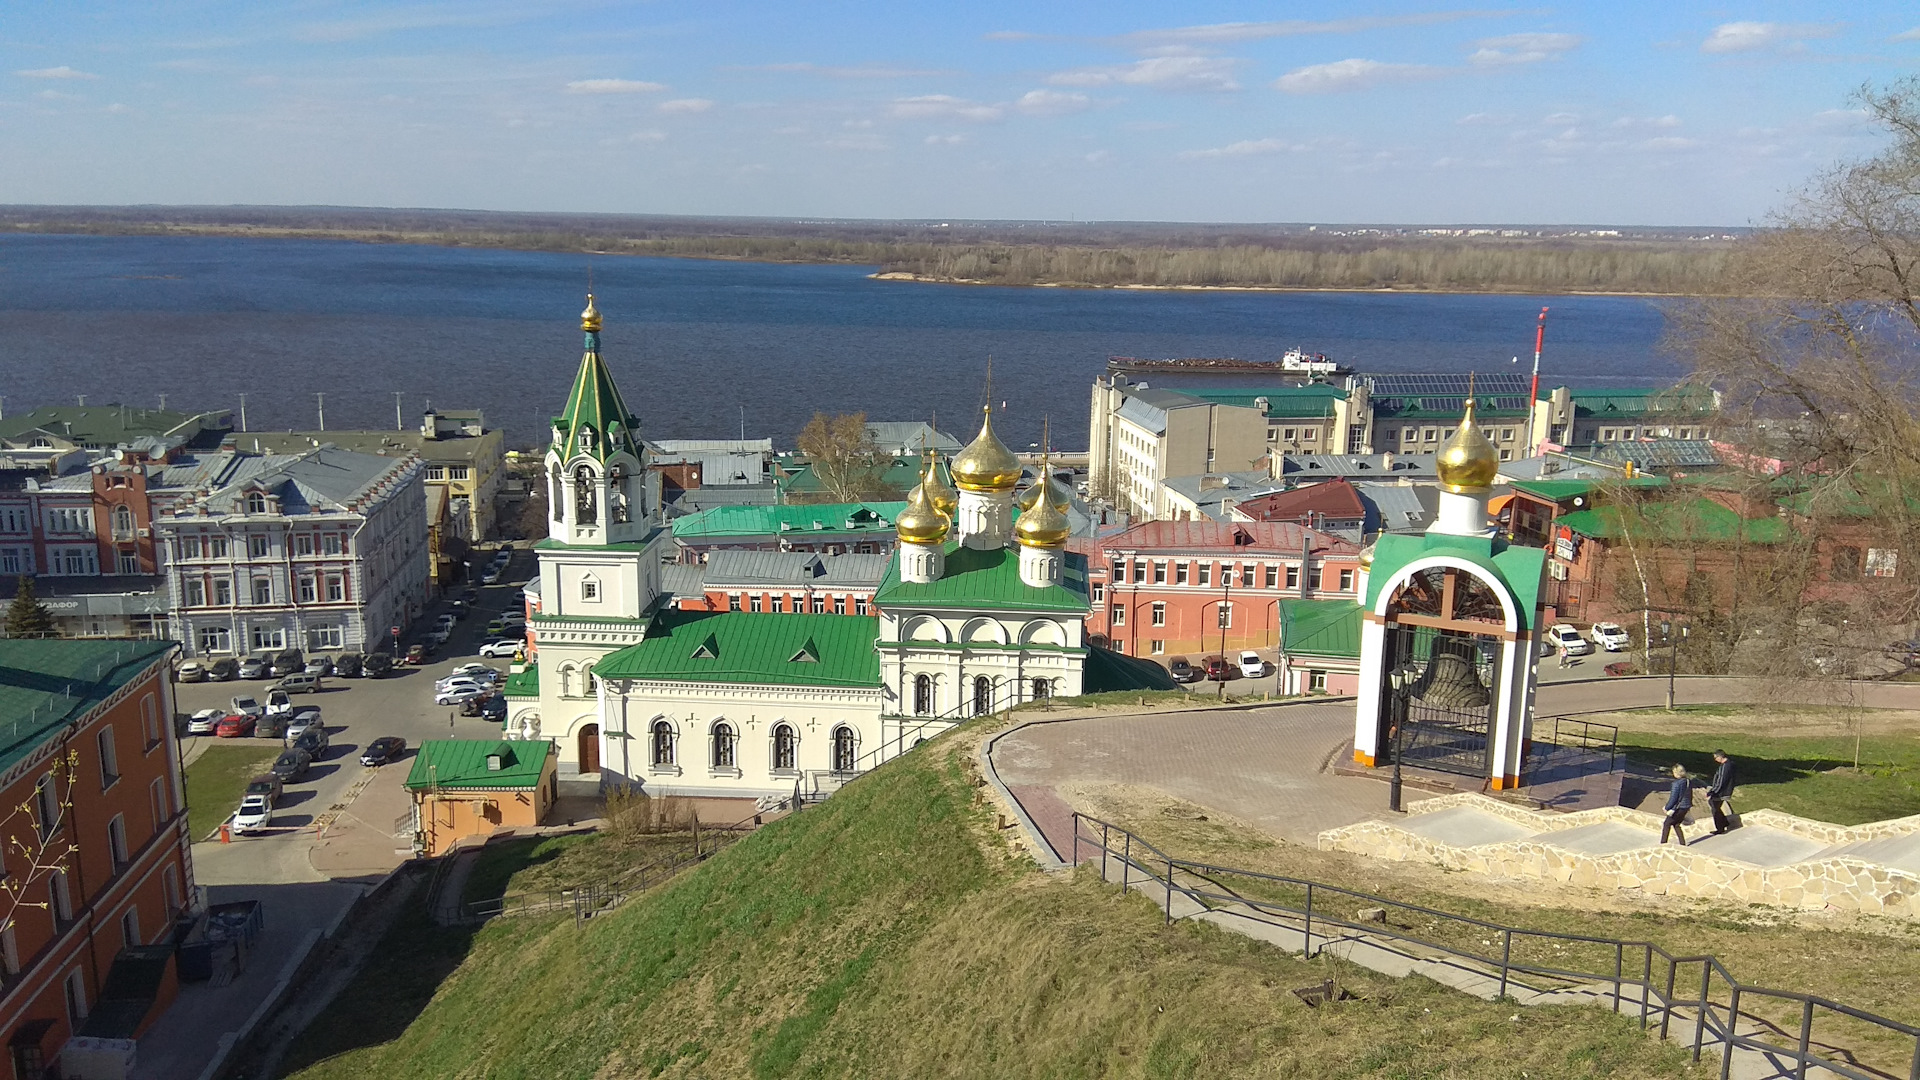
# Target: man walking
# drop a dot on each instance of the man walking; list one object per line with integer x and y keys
{"x": 1679, "y": 801}
{"x": 1720, "y": 793}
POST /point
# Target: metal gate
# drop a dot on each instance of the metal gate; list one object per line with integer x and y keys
{"x": 1447, "y": 701}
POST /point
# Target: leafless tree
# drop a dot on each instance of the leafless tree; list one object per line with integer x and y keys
{"x": 845, "y": 457}
{"x": 38, "y": 842}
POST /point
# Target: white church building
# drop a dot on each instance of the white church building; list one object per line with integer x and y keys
{"x": 981, "y": 608}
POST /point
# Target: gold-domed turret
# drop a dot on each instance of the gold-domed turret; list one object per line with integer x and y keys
{"x": 939, "y": 492}
{"x": 590, "y": 318}
{"x": 1030, "y": 498}
{"x": 1044, "y": 525}
{"x": 1468, "y": 462}
{"x": 986, "y": 465}
{"x": 922, "y": 522}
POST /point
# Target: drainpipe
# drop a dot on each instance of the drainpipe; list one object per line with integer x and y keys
{"x": 1306, "y": 557}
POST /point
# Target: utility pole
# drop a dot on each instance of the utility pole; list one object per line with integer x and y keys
{"x": 243, "y": 412}
{"x": 1533, "y": 393}
{"x": 322, "y": 399}
{"x": 83, "y": 399}
{"x": 1226, "y": 615}
{"x": 398, "y": 423}
{"x": 163, "y": 403}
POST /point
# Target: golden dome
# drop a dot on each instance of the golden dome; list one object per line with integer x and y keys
{"x": 590, "y": 318}
{"x": 921, "y": 522}
{"x": 1366, "y": 557}
{"x": 1044, "y": 525}
{"x": 1030, "y": 498}
{"x": 986, "y": 465}
{"x": 1468, "y": 462}
{"x": 944, "y": 498}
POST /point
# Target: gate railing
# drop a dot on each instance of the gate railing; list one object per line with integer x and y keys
{"x": 1637, "y": 976}
{"x": 1576, "y": 734}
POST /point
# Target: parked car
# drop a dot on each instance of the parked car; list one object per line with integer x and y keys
{"x": 1609, "y": 636}
{"x": 225, "y": 669}
{"x": 417, "y": 653}
{"x": 494, "y": 709}
{"x": 472, "y": 670}
{"x": 455, "y": 695}
{"x": 313, "y": 741}
{"x": 475, "y": 706}
{"x": 503, "y": 647}
{"x": 491, "y": 576}
{"x": 192, "y": 671}
{"x": 255, "y": 668}
{"x": 348, "y": 665}
{"x": 447, "y": 620}
{"x": 458, "y": 609}
{"x": 1252, "y": 667}
{"x": 319, "y": 665}
{"x": 255, "y": 813}
{"x": 301, "y": 722}
{"x": 204, "y": 721}
{"x": 266, "y": 784}
{"x": 292, "y": 765}
{"x": 288, "y": 662}
{"x": 1218, "y": 670}
{"x": 383, "y": 750}
{"x": 248, "y": 705}
{"x": 278, "y": 703}
{"x": 376, "y": 665}
{"x": 235, "y": 725}
{"x": 1564, "y": 636}
{"x": 1182, "y": 670}
{"x": 271, "y": 727}
{"x": 299, "y": 683}
{"x": 471, "y": 595}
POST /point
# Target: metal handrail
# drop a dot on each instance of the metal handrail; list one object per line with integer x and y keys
{"x": 1651, "y": 995}
{"x": 1586, "y": 739}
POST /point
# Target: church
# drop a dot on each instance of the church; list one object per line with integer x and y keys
{"x": 981, "y": 608}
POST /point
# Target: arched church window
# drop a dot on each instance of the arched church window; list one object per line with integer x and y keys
{"x": 922, "y": 695}
{"x": 557, "y": 495}
{"x": 584, "y": 510}
{"x": 843, "y": 749}
{"x": 783, "y": 746}
{"x": 982, "y": 695}
{"x": 1042, "y": 689}
{"x": 662, "y": 743}
{"x": 723, "y": 746}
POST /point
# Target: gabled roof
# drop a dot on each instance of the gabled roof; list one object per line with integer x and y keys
{"x": 819, "y": 519}
{"x": 1335, "y": 499}
{"x": 793, "y": 569}
{"x": 1695, "y": 519}
{"x": 1562, "y": 490}
{"x": 978, "y": 580}
{"x": 1226, "y": 538}
{"x": 461, "y": 764}
{"x": 752, "y": 648}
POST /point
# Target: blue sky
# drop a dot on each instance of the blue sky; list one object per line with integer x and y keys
{"x": 1625, "y": 112}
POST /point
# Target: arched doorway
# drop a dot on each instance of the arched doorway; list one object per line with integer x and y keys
{"x": 589, "y": 747}
{"x": 1444, "y": 627}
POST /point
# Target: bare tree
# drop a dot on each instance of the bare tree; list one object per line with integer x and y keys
{"x": 845, "y": 457}
{"x": 37, "y": 836}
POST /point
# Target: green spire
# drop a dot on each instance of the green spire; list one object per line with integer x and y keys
{"x": 596, "y": 421}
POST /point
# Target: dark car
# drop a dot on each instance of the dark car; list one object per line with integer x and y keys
{"x": 292, "y": 765}
{"x": 494, "y": 709}
{"x": 225, "y": 669}
{"x": 271, "y": 727}
{"x": 1182, "y": 670}
{"x": 476, "y": 706}
{"x": 417, "y": 653}
{"x": 470, "y": 594}
{"x": 1218, "y": 670}
{"x": 289, "y": 662}
{"x": 376, "y": 665}
{"x": 268, "y": 784}
{"x": 235, "y": 726}
{"x": 313, "y": 741}
{"x": 348, "y": 665}
{"x": 383, "y": 750}
{"x": 458, "y": 609}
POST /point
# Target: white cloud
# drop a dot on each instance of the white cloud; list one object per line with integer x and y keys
{"x": 1530, "y": 48}
{"x": 1559, "y": 118}
{"x": 1243, "y": 148}
{"x": 55, "y": 95}
{"x": 945, "y": 140}
{"x": 117, "y": 108}
{"x": 1670, "y": 142}
{"x": 944, "y": 106}
{"x": 1099, "y": 157}
{"x": 685, "y": 105}
{"x": 1907, "y": 35}
{"x": 1352, "y": 74}
{"x": 1220, "y": 33}
{"x": 1207, "y": 73}
{"x": 1481, "y": 119}
{"x": 61, "y": 72}
{"x": 614, "y": 86}
{"x": 1668, "y": 121}
{"x": 1052, "y": 102}
{"x": 859, "y": 72}
{"x": 1736, "y": 37}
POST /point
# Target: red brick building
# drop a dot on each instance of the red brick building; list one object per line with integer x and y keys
{"x": 96, "y": 843}
{"x": 1166, "y": 588}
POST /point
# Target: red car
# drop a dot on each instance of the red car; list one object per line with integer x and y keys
{"x": 234, "y": 726}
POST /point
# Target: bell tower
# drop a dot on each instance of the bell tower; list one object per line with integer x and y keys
{"x": 598, "y": 487}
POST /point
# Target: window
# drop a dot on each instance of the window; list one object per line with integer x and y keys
{"x": 1506, "y": 455}
{"x": 1160, "y": 572}
{"x": 1206, "y": 574}
{"x": 1180, "y": 573}
{"x": 60, "y": 897}
{"x": 76, "y": 999}
{"x": 73, "y": 560}
{"x": 923, "y": 695}
{"x": 189, "y": 547}
{"x": 336, "y": 588}
{"x": 1159, "y": 613}
{"x": 1099, "y": 593}
{"x": 783, "y": 744}
{"x": 1293, "y": 577}
{"x": 170, "y": 884}
{"x": 1042, "y": 689}
{"x": 1289, "y": 435}
{"x": 326, "y": 637}
{"x": 70, "y": 519}
{"x": 662, "y": 745}
{"x": 723, "y": 740}
{"x": 1309, "y": 434}
{"x": 13, "y": 519}
{"x": 303, "y": 543}
{"x": 262, "y": 590}
{"x": 1506, "y": 434}
{"x": 215, "y": 639}
{"x": 1606, "y": 434}
{"x": 1433, "y": 434}
{"x": 117, "y": 841}
{"x": 839, "y": 605}
{"x": 157, "y": 798}
{"x": 10, "y": 954}
{"x": 457, "y": 472}
{"x": 309, "y": 589}
{"x": 1156, "y": 646}
{"x": 753, "y": 602}
{"x": 1119, "y": 616}
{"x": 843, "y": 748}
{"x": 1356, "y": 435}
{"x": 130, "y": 928}
{"x": 1346, "y": 581}
{"x": 150, "y": 721}
{"x": 257, "y": 547}
{"x": 127, "y": 563}
{"x": 269, "y": 637}
{"x": 47, "y": 808}
{"x": 1139, "y": 571}
{"x": 1313, "y": 577}
{"x": 589, "y": 589}
{"x": 256, "y": 503}
{"x": 216, "y": 547}
{"x": 436, "y": 472}
{"x": 330, "y": 543}
{"x": 1246, "y": 576}
{"x": 1119, "y": 571}
{"x": 109, "y": 758}
{"x": 817, "y": 604}
{"x": 1273, "y": 573}
{"x": 1225, "y": 617}
{"x": 222, "y": 592}
{"x": 15, "y": 560}
{"x": 860, "y": 605}
{"x": 1317, "y": 680}
{"x": 122, "y": 523}
{"x": 982, "y": 695}
{"x": 193, "y": 592}
{"x": 733, "y": 601}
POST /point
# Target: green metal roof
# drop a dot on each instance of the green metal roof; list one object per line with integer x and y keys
{"x": 100, "y": 425}
{"x": 989, "y": 580}
{"x": 1683, "y": 519}
{"x": 1320, "y": 628}
{"x": 594, "y": 404}
{"x": 1107, "y": 671}
{"x": 1309, "y": 401}
{"x": 461, "y": 764}
{"x": 46, "y": 684}
{"x": 1635, "y": 402}
{"x": 1562, "y": 490}
{"x": 762, "y": 648}
{"x": 823, "y": 518}
{"x": 1517, "y": 568}
{"x": 524, "y": 683}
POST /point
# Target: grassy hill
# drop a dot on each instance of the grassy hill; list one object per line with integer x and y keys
{"x": 891, "y": 933}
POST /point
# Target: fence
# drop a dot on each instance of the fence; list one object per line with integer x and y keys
{"x": 1576, "y": 734}
{"x": 1636, "y": 975}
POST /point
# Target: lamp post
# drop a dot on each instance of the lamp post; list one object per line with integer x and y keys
{"x": 1401, "y": 678}
{"x": 1673, "y": 657}
{"x": 1224, "y": 616}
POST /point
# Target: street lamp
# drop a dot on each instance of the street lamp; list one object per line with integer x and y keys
{"x": 1673, "y": 657}
{"x": 1402, "y": 679}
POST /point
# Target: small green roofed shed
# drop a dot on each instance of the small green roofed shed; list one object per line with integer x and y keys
{"x": 750, "y": 647}
{"x": 469, "y": 764}
{"x": 1560, "y": 491}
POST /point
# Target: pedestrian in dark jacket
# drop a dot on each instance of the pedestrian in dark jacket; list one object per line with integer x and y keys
{"x": 1720, "y": 792}
{"x": 1679, "y": 801}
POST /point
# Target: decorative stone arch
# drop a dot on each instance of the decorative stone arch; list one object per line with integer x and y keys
{"x": 663, "y": 743}
{"x": 925, "y": 628}
{"x": 723, "y": 744}
{"x": 783, "y": 746}
{"x": 567, "y": 670}
{"x": 1510, "y": 610}
{"x": 843, "y": 747}
{"x": 984, "y": 631}
{"x": 1043, "y": 632}
{"x": 524, "y": 722}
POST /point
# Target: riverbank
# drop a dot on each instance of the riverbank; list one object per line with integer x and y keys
{"x": 898, "y": 275}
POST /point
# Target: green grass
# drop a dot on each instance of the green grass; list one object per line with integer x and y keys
{"x": 535, "y": 863}
{"x": 217, "y": 779}
{"x": 1812, "y": 776}
{"x": 891, "y": 933}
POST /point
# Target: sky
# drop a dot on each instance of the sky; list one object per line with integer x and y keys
{"x": 1627, "y": 112}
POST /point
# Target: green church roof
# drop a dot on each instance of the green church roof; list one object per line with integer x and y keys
{"x": 1515, "y": 567}
{"x": 987, "y": 580}
{"x": 762, "y": 648}
{"x": 1320, "y": 628}
{"x": 718, "y": 521}
{"x": 594, "y": 405}
{"x": 461, "y": 764}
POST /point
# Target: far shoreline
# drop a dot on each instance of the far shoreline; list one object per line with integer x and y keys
{"x": 901, "y": 275}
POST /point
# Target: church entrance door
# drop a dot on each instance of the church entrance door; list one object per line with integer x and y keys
{"x": 1444, "y": 635}
{"x": 590, "y": 748}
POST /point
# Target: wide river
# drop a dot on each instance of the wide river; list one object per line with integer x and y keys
{"x": 698, "y": 347}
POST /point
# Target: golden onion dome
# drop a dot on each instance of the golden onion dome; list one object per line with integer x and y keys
{"x": 1468, "y": 462}
{"x": 1030, "y": 498}
{"x": 1044, "y": 525}
{"x": 1366, "y": 557}
{"x": 941, "y": 493}
{"x": 921, "y": 522}
{"x": 590, "y": 318}
{"x": 986, "y": 465}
